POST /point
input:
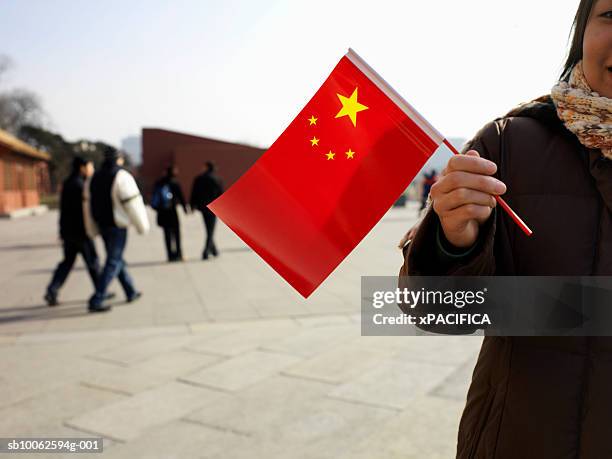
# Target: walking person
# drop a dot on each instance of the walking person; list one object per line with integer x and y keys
{"x": 428, "y": 181}
{"x": 115, "y": 203}
{"x": 530, "y": 396}
{"x": 167, "y": 194}
{"x": 72, "y": 230}
{"x": 206, "y": 188}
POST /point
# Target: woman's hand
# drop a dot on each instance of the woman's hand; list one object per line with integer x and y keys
{"x": 464, "y": 197}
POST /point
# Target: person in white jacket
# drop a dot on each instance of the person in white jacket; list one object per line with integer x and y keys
{"x": 113, "y": 203}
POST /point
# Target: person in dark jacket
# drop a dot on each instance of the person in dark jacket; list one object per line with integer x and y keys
{"x": 534, "y": 397}
{"x": 167, "y": 194}
{"x": 206, "y": 188}
{"x": 72, "y": 230}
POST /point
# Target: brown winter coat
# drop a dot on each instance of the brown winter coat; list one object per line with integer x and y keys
{"x": 536, "y": 397}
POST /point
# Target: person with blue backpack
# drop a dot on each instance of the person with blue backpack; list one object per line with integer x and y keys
{"x": 167, "y": 194}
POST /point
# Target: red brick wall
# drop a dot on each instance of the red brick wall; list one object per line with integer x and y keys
{"x": 1, "y": 170}
{"x": 20, "y": 184}
{"x": 161, "y": 148}
{"x": 231, "y": 162}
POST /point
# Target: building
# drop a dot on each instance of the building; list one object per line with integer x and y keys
{"x": 24, "y": 175}
{"x": 132, "y": 145}
{"x": 162, "y": 148}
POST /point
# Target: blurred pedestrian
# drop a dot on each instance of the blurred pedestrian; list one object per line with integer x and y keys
{"x": 206, "y": 188}
{"x": 72, "y": 230}
{"x": 115, "y": 203}
{"x": 167, "y": 194}
{"x": 430, "y": 179}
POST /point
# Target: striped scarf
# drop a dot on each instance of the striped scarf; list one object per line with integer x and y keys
{"x": 584, "y": 112}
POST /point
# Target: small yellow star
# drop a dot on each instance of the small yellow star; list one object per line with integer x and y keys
{"x": 350, "y": 107}
{"x": 312, "y": 120}
{"x": 350, "y": 154}
{"x": 330, "y": 155}
{"x": 314, "y": 141}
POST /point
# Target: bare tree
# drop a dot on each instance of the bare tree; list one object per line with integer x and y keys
{"x": 5, "y": 64}
{"x": 18, "y": 107}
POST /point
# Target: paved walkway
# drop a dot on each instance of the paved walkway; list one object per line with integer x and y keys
{"x": 221, "y": 359}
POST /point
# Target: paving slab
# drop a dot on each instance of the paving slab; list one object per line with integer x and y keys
{"x": 393, "y": 384}
{"x": 248, "y": 412}
{"x": 324, "y": 320}
{"x": 339, "y": 365}
{"x": 242, "y": 371}
{"x": 127, "y": 381}
{"x": 44, "y": 413}
{"x": 456, "y": 385}
{"x": 248, "y": 338}
{"x": 426, "y": 429}
{"x": 312, "y": 341}
{"x": 303, "y": 423}
{"x": 129, "y": 418}
{"x": 176, "y": 363}
{"x": 141, "y": 350}
{"x": 180, "y": 440}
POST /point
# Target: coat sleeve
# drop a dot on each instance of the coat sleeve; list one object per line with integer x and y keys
{"x": 422, "y": 254}
{"x": 131, "y": 200}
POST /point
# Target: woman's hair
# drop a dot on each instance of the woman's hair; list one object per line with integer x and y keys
{"x": 577, "y": 34}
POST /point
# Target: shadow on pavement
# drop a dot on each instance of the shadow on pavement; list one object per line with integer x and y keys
{"x": 18, "y": 247}
{"x": 38, "y": 306}
{"x": 66, "y": 310}
{"x": 146, "y": 264}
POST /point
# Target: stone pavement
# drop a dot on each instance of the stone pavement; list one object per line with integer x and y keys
{"x": 220, "y": 359}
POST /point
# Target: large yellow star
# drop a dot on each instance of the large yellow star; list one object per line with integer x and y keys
{"x": 312, "y": 120}
{"x": 330, "y": 155}
{"x": 314, "y": 141}
{"x": 350, "y": 154}
{"x": 350, "y": 107}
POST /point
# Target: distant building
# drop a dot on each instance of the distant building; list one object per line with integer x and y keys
{"x": 162, "y": 148}
{"x": 24, "y": 174}
{"x": 132, "y": 145}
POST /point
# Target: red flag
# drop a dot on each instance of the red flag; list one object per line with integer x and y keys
{"x": 331, "y": 175}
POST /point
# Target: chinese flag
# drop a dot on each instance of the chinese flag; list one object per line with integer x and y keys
{"x": 331, "y": 175}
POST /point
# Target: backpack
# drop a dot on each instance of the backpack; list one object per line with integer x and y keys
{"x": 162, "y": 197}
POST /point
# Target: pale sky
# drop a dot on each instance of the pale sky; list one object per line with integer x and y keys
{"x": 241, "y": 70}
